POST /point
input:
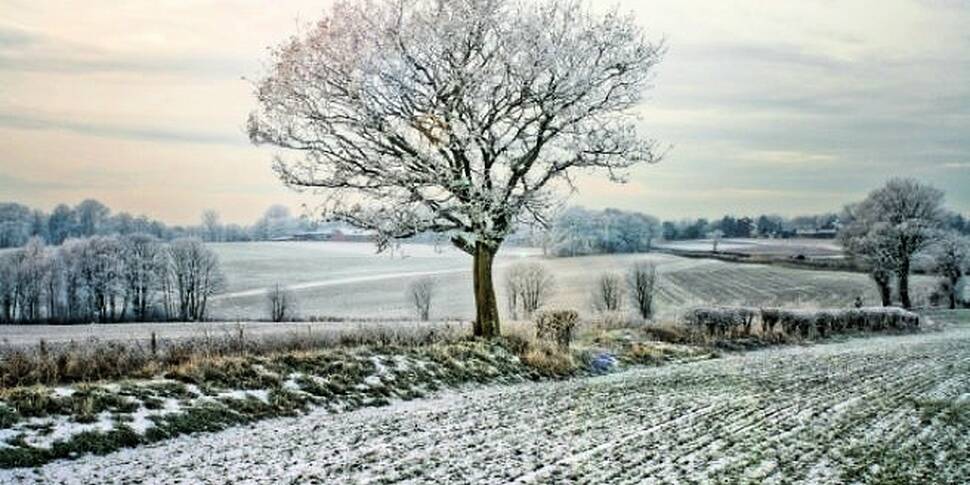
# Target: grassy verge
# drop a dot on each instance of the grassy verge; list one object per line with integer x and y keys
{"x": 205, "y": 387}
{"x": 210, "y": 391}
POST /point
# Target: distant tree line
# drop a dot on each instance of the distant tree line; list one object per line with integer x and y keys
{"x": 19, "y": 223}
{"x": 131, "y": 277}
{"x": 775, "y": 226}
{"x": 578, "y": 231}
{"x": 762, "y": 226}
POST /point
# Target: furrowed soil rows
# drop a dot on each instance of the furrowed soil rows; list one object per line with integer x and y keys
{"x": 861, "y": 411}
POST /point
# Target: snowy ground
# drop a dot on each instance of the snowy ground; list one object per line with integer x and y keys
{"x": 866, "y": 410}
{"x": 348, "y": 280}
{"x": 776, "y": 247}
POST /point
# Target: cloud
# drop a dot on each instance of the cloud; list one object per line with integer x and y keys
{"x": 155, "y": 134}
{"x": 785, "y": 158}
{"x": 29, "y": 51}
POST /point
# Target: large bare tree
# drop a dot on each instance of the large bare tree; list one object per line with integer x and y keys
{"x": 459, "y": 116}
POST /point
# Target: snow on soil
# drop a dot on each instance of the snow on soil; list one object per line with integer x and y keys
{"x": 776, "y": 416}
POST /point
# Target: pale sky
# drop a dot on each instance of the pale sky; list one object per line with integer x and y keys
{"x": 783, "y": 107}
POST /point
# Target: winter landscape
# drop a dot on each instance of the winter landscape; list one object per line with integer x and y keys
{"x": 484, "y": 241}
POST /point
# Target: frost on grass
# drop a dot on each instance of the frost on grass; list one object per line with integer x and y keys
{"x": 38, "y": 424}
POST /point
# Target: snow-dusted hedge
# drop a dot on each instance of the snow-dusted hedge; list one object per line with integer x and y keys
{"x": 739, "y": 320}
{"x": 721, "y": 320}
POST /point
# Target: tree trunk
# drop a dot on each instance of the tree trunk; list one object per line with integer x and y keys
{"x": 953, "y": 293}
{"x": 885, "y": 292}
{"x": 486, "y": 305}
{"x": 903, "y": 279}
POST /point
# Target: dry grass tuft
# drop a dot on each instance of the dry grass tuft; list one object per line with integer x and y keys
{"x": 549, "y": 359}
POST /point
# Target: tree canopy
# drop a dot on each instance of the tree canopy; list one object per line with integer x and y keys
{"x": 457, "y": 116}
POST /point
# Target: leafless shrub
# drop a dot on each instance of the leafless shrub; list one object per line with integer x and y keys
{"x": 281, "y": 304}
{"x": 527, "y": 287}
{"x": 556, "y": 326}
{"x": 642, "y": 280}
{"x": 608, "y": 294}
{"x": 420, "y": 293}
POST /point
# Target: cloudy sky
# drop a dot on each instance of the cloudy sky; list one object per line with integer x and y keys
{"x": 786, "y": 106}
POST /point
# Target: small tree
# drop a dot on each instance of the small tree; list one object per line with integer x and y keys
{"x": 527, "y": 287}
{"x": 101, "y": 273}
{"x": 8, "y": 286}
{"x": 144, "y": 264}
{"x": 642, "y": 280}
{"x": 873, "y": 250}
{"x": 716, "y": 236}
{"x": 212, "y": 229}
{"x": 951, "y": 256}
{"x": 280, "y": 303}
{"x": 459, "y": 117}
{"x": 34, "y": 274}
{"x": 197, "y": 276}
{"x": 420, "y": 293}
{"x": 608, "y": 293}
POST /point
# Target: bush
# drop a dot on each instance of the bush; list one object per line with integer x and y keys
{"x": 280, "y": 303}
{"x": 804, "y": 323}
{"x": 721, "y": 320}
{"x": 643, "y": 281}
{"x": 527, "y": 287}
{"x": 556, "y": 327}
{"x": 420, "y": 293}
{"x": 608, "y": 294}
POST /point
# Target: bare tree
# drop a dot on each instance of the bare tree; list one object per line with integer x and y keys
{"x": 34, "y": 274}
{"x": 144, "y": 265}
{"x": 461, "y": 117}
{"x": 196, "y": 275}
{"x": 420, "y": 293}
{"x": 608, "y": 294}
{"x": 951, "y": 257}
{"x": 527, "y": 287}
{"x": 904, "y": 216}
{"x": 642, "y": 280}
{"x": 212, "y": 229}
{"x": 101, "y": 275}
{"x": 871, "y": 247}
{"x": 8, "y": 285}
{"x": 280, "y": 302}
{"x": 716, "y": 236}
{"x": 70, "y": 257}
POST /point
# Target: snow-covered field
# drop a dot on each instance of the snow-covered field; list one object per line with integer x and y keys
{"x": 776, "y": 247}
{"x": 866, "y": 410}
{"x": 348, "y": 280}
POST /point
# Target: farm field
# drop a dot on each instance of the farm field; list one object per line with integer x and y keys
{"x": 348, "y": 280}
{"x": 812, "y": 248}
{"x": 878, "y": 410}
